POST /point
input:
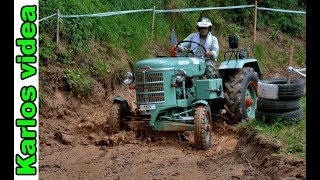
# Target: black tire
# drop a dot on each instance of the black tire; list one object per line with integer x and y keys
{"x": 269, "y": 117}
{"x": 203, "y": 127}
{"x": 278, "y": 89}
{"x": 241, "y": 95}
{"x": 267, "y": 105}
{"x": 118, "y": 117}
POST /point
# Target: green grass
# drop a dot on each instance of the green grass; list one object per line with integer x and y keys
{"x": 291, "y": 136}
{"x": 131, "y": 33}
{"x": 78, "y": 81}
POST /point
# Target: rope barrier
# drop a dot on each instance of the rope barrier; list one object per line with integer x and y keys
{"x": 202, "y": 9}
{"x": 280, "y": 10}
{"x": 170, "y": 10}
{"x": 48, "y": 17}
{"x": 104, "y": 14}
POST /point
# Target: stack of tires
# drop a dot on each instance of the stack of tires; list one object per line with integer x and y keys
{"x": 278, "y": 100}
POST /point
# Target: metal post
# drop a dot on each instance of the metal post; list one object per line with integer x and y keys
{"x": 255, "y": 21}
{"x": 290, "y": 64}
{"x": 58, "y": 18}
{"x": 153, "y": 18}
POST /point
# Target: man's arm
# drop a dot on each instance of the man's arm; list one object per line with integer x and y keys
{"x": 214, "y": 51}
{"x": 186, "y": 45}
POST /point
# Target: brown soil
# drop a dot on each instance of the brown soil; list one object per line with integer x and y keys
{"x": 74, "y": 144}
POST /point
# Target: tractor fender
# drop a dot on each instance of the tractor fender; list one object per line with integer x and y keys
{"x": 202, "y": 102}
{"x": 239, "y": 64}
{"x": 121, "y": 100}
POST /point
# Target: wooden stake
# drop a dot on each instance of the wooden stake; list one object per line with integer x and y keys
{"x": 290, "y": 64}
{"x": 255, "y": 21}
{"x": 58, "y": 18}
{"x": 153, "y": 18}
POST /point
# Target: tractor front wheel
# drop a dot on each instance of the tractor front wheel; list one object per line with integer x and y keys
{"x": 202, "y": 127}
{"x": 118, "y": 117}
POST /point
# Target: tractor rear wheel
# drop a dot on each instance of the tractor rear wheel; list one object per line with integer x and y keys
{"x": 202, "y": 127}
{"x": 241, "y": 95}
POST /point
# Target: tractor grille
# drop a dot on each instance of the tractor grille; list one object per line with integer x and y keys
{"x": 149, "y": 87}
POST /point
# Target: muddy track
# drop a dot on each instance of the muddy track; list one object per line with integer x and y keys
{"x": 74, "y": 145}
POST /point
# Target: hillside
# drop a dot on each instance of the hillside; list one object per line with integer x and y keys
{"x": 80, "y": 77}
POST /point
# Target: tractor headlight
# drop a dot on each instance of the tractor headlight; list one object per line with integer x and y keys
{"x": 128, "y": 78}
{"x": 181, "y": 75}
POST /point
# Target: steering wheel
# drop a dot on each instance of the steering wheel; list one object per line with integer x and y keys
{"x": 191, "y": 50}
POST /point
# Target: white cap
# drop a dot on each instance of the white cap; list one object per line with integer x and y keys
{"x": 205, "y": 22}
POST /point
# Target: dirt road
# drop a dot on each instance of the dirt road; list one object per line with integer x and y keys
{"x": 74, "y": 145}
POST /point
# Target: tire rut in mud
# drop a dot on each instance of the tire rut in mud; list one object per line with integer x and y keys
{"x": 235, "y": 154}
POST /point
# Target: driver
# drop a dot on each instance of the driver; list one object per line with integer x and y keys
{"x": 206, "y": 39}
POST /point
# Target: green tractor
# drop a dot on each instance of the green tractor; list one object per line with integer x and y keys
{"x": 173, "y": 94}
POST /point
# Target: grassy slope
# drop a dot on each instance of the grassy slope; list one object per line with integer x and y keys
{"x": 292, "y": 137}
{"x": 97, "y": 50}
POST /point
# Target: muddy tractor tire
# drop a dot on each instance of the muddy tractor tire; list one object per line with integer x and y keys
{"x": 202, "y": 127}
{"x": 241, "y": 95}
{"x": 118, "y": 119}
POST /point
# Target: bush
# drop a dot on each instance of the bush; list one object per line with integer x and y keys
{"x": 78, "y": 82}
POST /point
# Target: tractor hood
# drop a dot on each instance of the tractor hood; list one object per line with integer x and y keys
{"x": 192, "y": 65}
